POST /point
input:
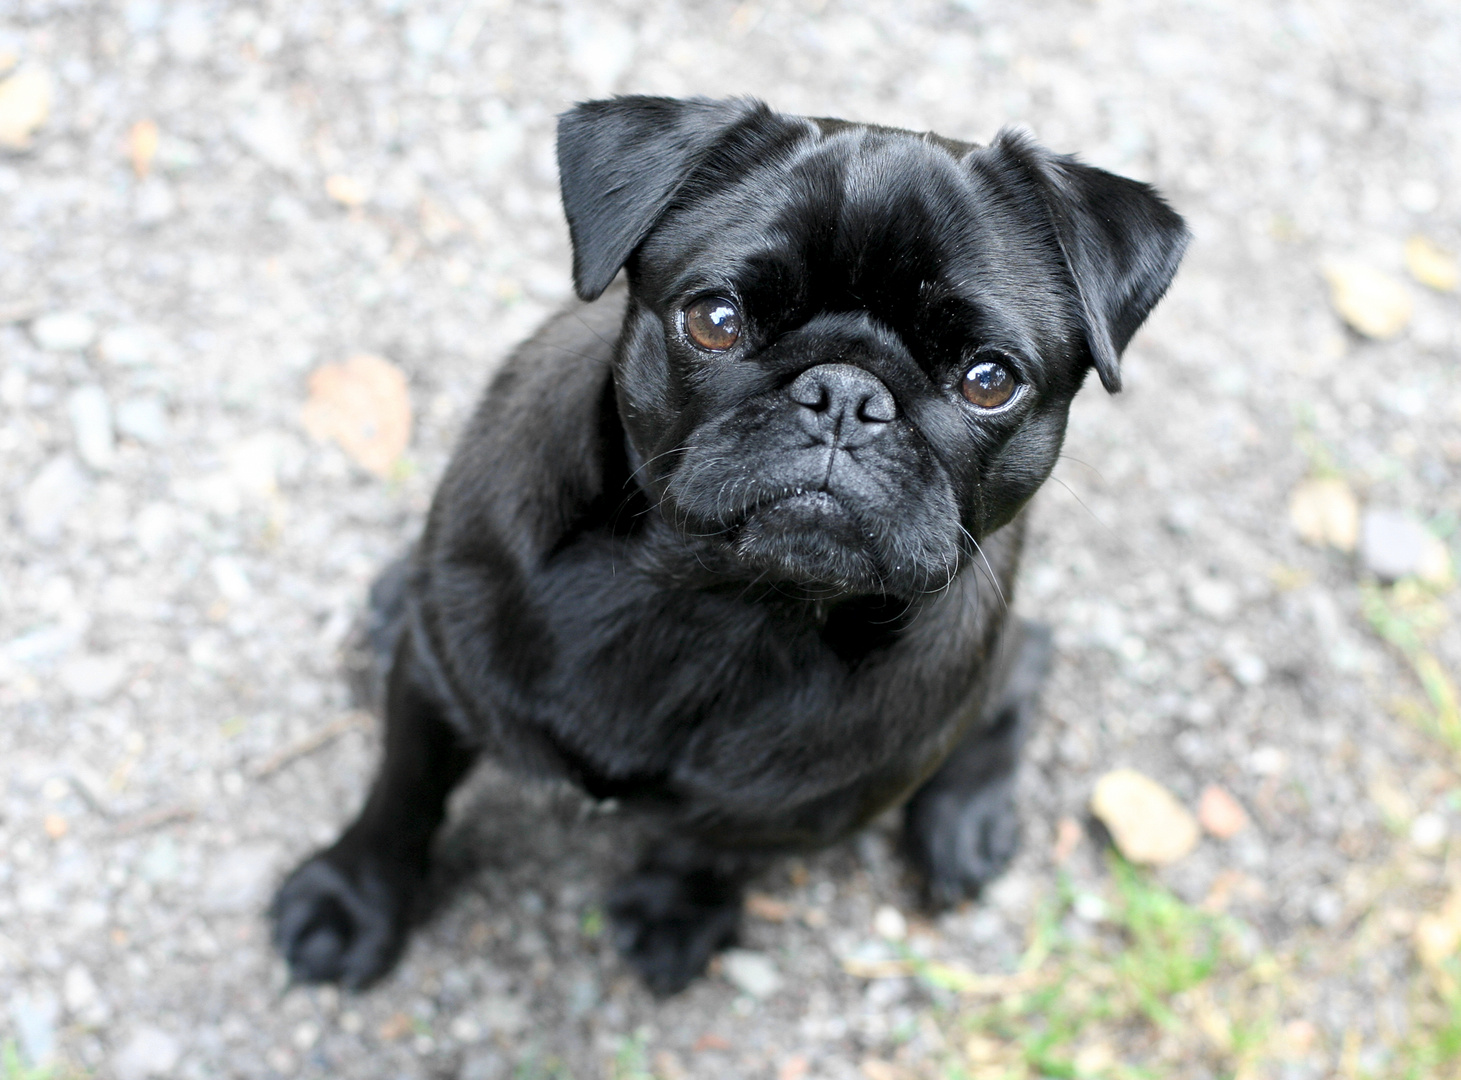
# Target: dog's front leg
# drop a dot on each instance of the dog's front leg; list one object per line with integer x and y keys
{"x": 961, "y": 828}
{"x": 679, "y": 907}
{"x": 343, "y": 914}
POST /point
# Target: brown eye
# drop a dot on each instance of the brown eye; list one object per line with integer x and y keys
{"x": 988, "y": 385}
{"x": 713, "y": 323}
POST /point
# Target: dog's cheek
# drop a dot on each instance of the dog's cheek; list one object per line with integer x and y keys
{"x": 1019, "y": 467}
{"x": 644, "y": 381}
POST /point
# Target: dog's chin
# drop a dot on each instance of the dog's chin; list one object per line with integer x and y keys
{"x": 808, "y": 540}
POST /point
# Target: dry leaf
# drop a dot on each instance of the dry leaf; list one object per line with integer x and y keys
{"x": 1146, "y": 821}
{"x": 794, "y": 1068}
{"x": 142, "y": 146}
{"x": 1429, "y": 265}
{"x": 711, "y": 1041}
{"x": 1221, "y": 814}
{"x": 1371, "y": 301}
{"x": 767, "y": 907}
{"x": 25, "y": 104}
{"x": 1326, "y": 512}
{"x": 362, "y": 404}
{"x": 1438, "y": 936}
{"x": 346, "y": 190}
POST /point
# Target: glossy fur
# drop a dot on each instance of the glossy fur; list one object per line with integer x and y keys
{"x": 760, "y": 594}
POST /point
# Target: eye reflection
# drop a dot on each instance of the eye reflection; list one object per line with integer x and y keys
{"x": 988, "y": 385}
{"x": 713, "y": 323}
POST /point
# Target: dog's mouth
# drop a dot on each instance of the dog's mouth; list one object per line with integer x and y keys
{"x": 809, "y": 537}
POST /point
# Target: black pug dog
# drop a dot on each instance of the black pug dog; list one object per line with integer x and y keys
{"x": 734, "y": 543}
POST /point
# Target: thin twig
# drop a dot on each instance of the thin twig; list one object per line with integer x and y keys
{"x": 315, "y": 740}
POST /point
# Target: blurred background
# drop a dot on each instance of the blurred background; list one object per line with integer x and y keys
{"x": 256, "y": 261}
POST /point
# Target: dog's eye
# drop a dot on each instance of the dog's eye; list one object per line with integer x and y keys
{"x": 713, "y": 323}
{"x": 988, "y": 385}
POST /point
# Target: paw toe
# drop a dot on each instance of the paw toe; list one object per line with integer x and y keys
{"x": 666, "y": 932}
{"x": 331, "y": 928}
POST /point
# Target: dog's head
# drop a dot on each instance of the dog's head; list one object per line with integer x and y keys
{"x": 849, "y": 351}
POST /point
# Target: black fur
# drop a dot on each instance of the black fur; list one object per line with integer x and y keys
{"x": 760, "y": 594}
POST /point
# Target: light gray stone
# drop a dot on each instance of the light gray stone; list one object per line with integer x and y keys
{"x": 1394, "y": 545}
{"x": 34, "y": 1017}
{"x": 63, "y": 331}
{"x": 93, "y": 677}
{"x": 144, "y": 418}
{"x": 149, "y": 1052}
{"x": 91, "y": 426}
{"x": 130, "y": 346}
{"x": 753, "y": 973}
{"x": 50, "y": 497}
{"x": 239, "y": 880}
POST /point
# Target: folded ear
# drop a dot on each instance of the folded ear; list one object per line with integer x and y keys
{"x": 619, "y": 164}
{"x": 1121, "y": 241}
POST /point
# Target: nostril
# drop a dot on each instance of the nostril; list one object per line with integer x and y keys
{"x": 877, "y": 408}
{"x": 811, "y": 392}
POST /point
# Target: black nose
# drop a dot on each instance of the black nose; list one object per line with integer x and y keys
{"x": 843, "y": 399}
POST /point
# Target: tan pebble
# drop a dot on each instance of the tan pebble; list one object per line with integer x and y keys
{"x": 1438, "y": 935}
{"x": 1067, "y": 839}
{"x": 1221, "y": 814}
{"x": 1429, "y": 265}
{"x": 56, "y": 826}
{"x": 767, "y": 907}
{"x": 1147, "y": 823}
{"x": 1371, "y": 301}
{"x": 346, "y": 190}
{"x": 25, "y": 104}
{"x": 142, "y": 143}
{"x": 1325, "y": 512}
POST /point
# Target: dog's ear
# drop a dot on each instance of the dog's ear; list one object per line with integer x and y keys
{"x": 1121, "y": 241}
{"x": 620, "y": 163}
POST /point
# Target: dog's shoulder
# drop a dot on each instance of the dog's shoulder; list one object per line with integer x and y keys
{"x": 535, "y": 448}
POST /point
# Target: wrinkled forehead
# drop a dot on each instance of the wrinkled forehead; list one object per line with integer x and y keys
{"x": 851, "y": 216}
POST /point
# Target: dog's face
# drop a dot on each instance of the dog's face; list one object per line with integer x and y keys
{"x": 849, "y": 352}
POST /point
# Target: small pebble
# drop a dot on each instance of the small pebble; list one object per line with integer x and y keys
{"x": 129, "y": 346}
{"x": 1214, "y": 598}
{"x": 150, "y": 1052}
{"x": 1428, "y": 833}
{"x": 890, "y": 924}
{"x": 189, "y": 33}
{"x": 143, "y": 418}
{"x": 91, "y": 425}
{"x": 34, "y": 1017}
{"x": 750, "y": 972}
{"x": 63, "y": 331}
{"x": 79, "y": 989}
{"x": 1394, "y": 545}
{"x": 93, "y": 677}
{"x": 1221, "y": 814}
{"x": 154, "y": 201}
{"x": 50, "y": 497}
{"x": 1147, "y": 823}
{"x": 1326, "y": 908}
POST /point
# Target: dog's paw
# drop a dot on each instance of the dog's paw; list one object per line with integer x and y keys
{"x": 962, "y": 840}
{"x": 668, "y": 925}
{"x": 340, "y": 924}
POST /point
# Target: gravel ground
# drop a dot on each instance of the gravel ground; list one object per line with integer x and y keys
{"x": 182, "y": 561}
